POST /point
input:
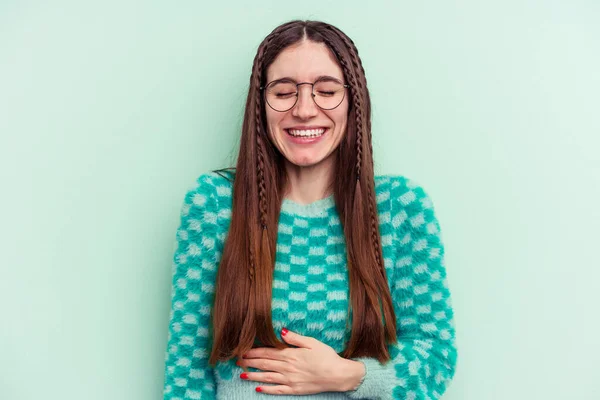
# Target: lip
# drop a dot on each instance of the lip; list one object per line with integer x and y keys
{"x": 306, "y": 140}
{"x": 306, "y": 127}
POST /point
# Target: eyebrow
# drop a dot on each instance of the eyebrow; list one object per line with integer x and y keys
{"x": 328, "y": 78}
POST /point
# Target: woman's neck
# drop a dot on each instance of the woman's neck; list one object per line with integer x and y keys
{"x": 306, "y": 185}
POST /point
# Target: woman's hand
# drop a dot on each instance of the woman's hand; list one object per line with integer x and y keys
{"x": 313, "y": 367}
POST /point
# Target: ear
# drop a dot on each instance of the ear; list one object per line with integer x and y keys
{"x": 295, "y": 339}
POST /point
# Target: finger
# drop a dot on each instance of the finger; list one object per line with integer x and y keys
{"x": 264, "y": 377}
{"x": 296, "y": 339}
{"x": 264, "y": 364}
{"x": 265, "y": 352}
{"x": 240, "y": 363}
{"x": 279, "y": 389}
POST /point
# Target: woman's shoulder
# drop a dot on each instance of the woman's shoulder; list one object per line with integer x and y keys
{"x": 401, "y": 190}
{"x": 210, "y": 189}
{"x": 396, "y": 183}
{"x": 218, "y": 181}
{"x": 214, "y": 179}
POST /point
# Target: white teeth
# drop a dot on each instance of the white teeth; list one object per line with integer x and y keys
{"x": 306, "y": 133}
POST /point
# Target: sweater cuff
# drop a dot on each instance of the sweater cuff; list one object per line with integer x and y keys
{"x": 378, "y": 381}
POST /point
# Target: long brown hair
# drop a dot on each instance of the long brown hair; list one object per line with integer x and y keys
{"x": 242, "y": 308}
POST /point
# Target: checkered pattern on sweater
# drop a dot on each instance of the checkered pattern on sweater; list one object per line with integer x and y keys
{"x": 311, "y": 294}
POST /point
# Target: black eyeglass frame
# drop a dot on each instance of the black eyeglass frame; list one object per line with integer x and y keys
{"x": 262, "y": 88}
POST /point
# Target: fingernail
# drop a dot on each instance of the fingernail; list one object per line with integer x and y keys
{"x": 284, "y": 332}
{"x": 258, "y": 389}
{"x": 238, "y": 363}
{"x": 244, "y": 375}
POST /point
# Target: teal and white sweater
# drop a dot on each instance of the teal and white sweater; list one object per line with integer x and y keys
{"x": 310, "y": 292}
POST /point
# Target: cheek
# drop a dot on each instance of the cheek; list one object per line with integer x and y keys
{"x": 272, "y": 122}
{"x": 341, "y": 117}
{"x": 342, "y": 122}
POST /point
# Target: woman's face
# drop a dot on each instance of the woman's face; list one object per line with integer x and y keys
{"x": 305, "y": 62}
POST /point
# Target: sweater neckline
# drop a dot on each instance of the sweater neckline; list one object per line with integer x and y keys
{"x": 317, "y": 208}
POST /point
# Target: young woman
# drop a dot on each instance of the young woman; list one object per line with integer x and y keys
{"x": 300, "y": 272}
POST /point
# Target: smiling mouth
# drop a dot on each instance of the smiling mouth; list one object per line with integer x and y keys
{"x": 311, "y": 133}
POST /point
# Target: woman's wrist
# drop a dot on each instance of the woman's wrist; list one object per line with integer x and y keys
{"x": 352, "y": 374}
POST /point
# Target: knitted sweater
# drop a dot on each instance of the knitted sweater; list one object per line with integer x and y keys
{"x": 310, "y": 292}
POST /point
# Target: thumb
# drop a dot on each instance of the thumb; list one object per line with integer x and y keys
{"x": 295, "y": 339}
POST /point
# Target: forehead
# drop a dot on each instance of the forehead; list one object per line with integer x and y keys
{"x": 304, "y": 62}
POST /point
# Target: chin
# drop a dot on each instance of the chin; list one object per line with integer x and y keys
{"x": 305, "y": 161}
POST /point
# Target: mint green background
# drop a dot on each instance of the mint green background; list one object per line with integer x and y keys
{"x": 110, "y": 110}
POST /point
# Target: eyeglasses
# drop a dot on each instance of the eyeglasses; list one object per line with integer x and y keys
{"x": 282, "y": 95}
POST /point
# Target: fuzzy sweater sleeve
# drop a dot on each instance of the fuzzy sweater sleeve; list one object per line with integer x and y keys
{"x": 187, "y": 373}
{"x": 424, "y": 359}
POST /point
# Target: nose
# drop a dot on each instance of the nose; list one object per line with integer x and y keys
{"x": 305, "y": 106}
